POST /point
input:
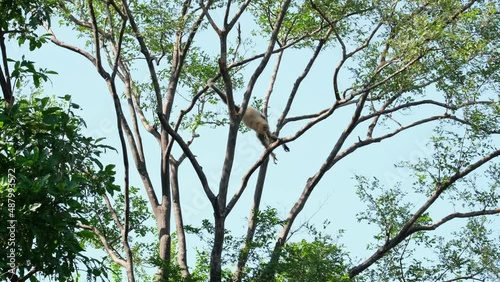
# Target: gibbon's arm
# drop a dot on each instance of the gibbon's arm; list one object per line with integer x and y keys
{"x": 219, "y": 92}
{"x": 254, "y": 120}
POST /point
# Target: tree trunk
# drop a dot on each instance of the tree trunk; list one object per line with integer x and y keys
{"x": 163, "y": 214}
{"x": 162, "y": 222}
{"x": 179, "y": 223}
{"x": 252, "y": 224}
{"x": 215, "y": 258}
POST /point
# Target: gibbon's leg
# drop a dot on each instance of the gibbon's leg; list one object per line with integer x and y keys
{"x": 285, "y": 147}
{"x": 270, "y": 138}
{"x": 264, "y": 140}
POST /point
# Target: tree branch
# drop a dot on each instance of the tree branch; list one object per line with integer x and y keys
{"x": 272, "y": 81}
{"x": 97, "y": 44}
{"x": 179, "y": 223}
{"x": 238, "y": 14}
{"x": 28, "y": 275}
{"x": 145, "y": 52}
{"x": 277, "y": 50}
{"x": 300, "y": 78}
{"x": 72, "y": 48}
{"x": 368, "y": 141}
{"x": 406, "y": 230}
{"x": 198, "y": 169}
{"x": 449, "y": 217}
{"x": 120, "y": 125}
{"x": 105, "y": 244}
{"x": 113, "y": 213}
{"x": 5, "y": 77}
{"x": 252, "y": 222}
{"x": 205, "y": 8}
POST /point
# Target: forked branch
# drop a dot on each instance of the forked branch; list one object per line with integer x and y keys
{"x": 410, "y": 228}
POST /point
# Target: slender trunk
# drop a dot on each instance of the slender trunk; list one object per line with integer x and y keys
{"x": 220, "y": 205}
{"x": 163, "y": 214}
{"x": 5, "y": 77}
{"x": 215, "y": 258}
{"x": 179, "y": 224}
{"x": 162, "y": 223}
{"x": 125, "y": 228}
{"x": 252, "y": 224}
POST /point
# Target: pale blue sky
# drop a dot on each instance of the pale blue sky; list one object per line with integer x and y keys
{"x": 285, "y": 181}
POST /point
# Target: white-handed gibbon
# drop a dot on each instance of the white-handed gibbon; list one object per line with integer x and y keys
{"x": 254, "y": 120}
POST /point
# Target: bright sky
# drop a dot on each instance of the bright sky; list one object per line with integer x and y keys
{"x": 333, "y": 199}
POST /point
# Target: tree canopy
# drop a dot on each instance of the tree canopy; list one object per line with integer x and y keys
{"x": 346, "y": 75}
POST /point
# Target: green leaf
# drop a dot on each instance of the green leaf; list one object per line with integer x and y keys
{"x": 4, "y": 117}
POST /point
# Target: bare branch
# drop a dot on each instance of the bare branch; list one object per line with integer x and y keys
{"x": 368, "y": 141}
{"x": 309, "y": 116}
{"x": 142, "y": 117}
{"x": 236, "y": 16}
{"x": 145, "y": 52}
{"x": 272, "y": 81}
{"x": 126, "y": 192}
{"x": 118, "y": 52}
{"x": 389, "y": 77}
{"x": 252, "y": 221}
{"x": 449, "y": 217}
{"x": 133, "y": 113}
{"x": 466, "y": 277}
{"x": 97, "y": 45}
{"x": 105, "y": 244}
{"x": 209, "y": 17}
{"x": 384, "y": 111}
{"x": 486, "y": 130}
{"x": 302, "y": 117}
{"x": 277, "y": 50}
{"x": 345, "y": 55}
{"x": 244, "y": 182}
{"x": 267, "y": 55}
{"x": 32, "y": 272}
{"x": 141, "y": 167}
{"x": 387, "y": 103}
{"x": 314, "y": 180}
{"x": 406, "y": 230}
{"x": 113, "y": 213}
{"x": 82, "y": 23}
{"x": 192, "y": 33}
{"x": 194, "y": 135}
{"x": 300, "y": 78}
{"x": 75, "y": 49}
{"x": 191, "y": 157}
{"x": 184, "y": 112}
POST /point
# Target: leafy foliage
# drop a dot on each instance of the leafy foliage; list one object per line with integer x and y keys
{"x": 47, "y": 168}
{"x": 19, "y": 20}
{"x": 321, "y": 259}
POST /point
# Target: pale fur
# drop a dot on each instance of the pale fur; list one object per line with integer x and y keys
{"x": 254, "y": 120}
